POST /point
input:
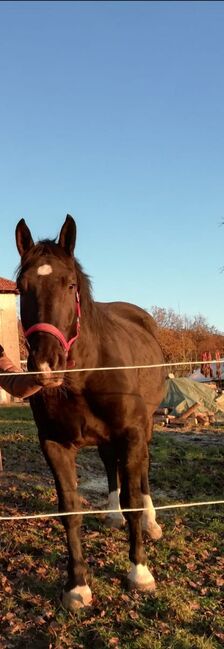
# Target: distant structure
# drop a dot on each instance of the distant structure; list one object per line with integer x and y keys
{"x": 213, "y": 371}
{"x": 9, "y": 335}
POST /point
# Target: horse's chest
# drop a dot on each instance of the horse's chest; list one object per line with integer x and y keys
{"x": 71, "y": 420}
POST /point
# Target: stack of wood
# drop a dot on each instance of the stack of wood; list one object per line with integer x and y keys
{"x": 199, "y": 415}
{"x": 160, "y": 415}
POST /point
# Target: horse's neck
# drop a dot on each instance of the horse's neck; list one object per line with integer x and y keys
{"x": 86, "y": 349}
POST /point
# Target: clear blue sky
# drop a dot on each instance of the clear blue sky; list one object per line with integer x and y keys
{"x": 114, "y": 112}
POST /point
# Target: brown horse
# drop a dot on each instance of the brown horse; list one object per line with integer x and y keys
{"x": 112, "y": 409}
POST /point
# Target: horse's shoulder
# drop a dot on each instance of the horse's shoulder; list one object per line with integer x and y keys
{"x": 129, "y": 312}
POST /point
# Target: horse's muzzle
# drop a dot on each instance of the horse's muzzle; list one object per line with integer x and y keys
{"x": 50, "y": 373}
{"x": 49, "y": 379}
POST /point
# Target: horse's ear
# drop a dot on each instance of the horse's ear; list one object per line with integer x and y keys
{"x": 24, "y": 239}
{"x": 67, "y": 235}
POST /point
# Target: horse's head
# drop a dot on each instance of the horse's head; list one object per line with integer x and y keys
{"x": 47, "y": 282}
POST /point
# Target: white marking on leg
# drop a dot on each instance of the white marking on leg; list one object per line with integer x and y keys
{"x": 78, "y": 597}
{"x": 140, "y": 577}
{"x": 45, "y": 269}
{"x": 114, "y": 519}
{"x": 149, "y": 523}
{"x": 150, "y": 514}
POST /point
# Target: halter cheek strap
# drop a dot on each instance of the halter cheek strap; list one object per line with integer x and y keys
{"x": 54, "y": 331}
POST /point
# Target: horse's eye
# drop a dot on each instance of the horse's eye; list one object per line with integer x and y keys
{"x": 71, "y": 286}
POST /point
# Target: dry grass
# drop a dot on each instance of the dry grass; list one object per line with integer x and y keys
{"x": 187, "y": 610}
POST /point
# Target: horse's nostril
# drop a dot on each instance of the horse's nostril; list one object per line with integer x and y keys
{"x": 57, "y": 361}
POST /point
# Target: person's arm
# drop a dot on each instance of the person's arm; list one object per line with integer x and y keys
{"x": 18, "y": 386}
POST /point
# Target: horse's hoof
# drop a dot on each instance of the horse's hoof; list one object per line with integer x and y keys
{"x": 114, "y": 520}
{"x": 141, "y": 578}
{"x": 78, "y": 597}
{"x": 152, "y": 529}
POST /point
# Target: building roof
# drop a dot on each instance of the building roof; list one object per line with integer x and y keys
{"x": 7, "y": 286}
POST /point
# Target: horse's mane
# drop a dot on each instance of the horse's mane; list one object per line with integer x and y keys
{"x": 50, "y": 247}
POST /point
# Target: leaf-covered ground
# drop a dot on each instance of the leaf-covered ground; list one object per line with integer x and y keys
{"x": 188, "y": 562}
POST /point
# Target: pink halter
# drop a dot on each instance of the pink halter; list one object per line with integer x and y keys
{"x": 54, "y": 331}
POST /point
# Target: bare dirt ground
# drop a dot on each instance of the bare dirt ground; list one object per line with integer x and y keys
{"x": 92, "y": 482}
{"x": 91, "y": 474}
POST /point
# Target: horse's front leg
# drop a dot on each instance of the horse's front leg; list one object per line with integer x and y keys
{"x": 132, "y": 450}
{"x": 149, "y": 524}
{"x": 108, "y": 456}
{"x": 61, "y": 460}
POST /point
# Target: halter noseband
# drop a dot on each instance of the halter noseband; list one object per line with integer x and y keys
{"x": 54, "y": 331}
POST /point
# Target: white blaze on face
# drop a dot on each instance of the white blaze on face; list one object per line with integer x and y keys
{"x": 45, "y": 269}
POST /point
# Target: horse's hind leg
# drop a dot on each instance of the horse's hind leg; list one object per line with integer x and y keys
{"x": 132, "y": 451}
{"x": 109, "y": 458}
{"x": 149, "y": 524}
{"x": 61, "y": 460}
